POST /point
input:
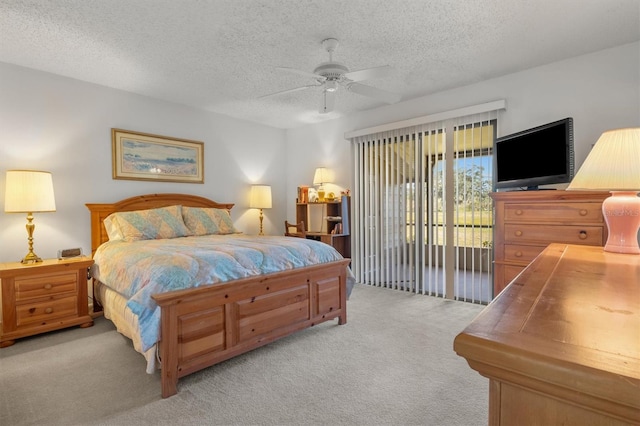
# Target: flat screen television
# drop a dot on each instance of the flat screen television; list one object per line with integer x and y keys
{"x": 541, "y": 155}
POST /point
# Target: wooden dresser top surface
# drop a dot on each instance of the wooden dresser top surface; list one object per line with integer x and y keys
{"x": 573, "y": 309}
{"x": 549, "y": 195}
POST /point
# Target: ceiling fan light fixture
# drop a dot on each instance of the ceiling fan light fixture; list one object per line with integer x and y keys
{"x": 331, "y": 86}
{"x": 330, "y": 45}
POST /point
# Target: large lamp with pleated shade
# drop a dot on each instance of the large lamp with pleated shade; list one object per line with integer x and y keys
{"x": 614, "y": 165}
{"x": 29, "y": 191}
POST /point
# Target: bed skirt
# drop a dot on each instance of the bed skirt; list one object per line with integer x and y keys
{"x": 115, "y": 309}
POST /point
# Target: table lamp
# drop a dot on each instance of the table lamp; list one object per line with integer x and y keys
{"x": 260, "y": 199}
{"x": 320, "y": 177}
{"x": 29, "y": 191}
{"x": 614, "y": 165}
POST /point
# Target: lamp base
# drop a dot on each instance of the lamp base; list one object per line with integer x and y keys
{"x": 261, "y": 218}
{"x": 31, "y": 257}
{"x": 622, "y": 215}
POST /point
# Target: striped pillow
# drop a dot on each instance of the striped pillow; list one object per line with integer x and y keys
{"x": 152, "y": 224}
{"x": 208, "y": 221}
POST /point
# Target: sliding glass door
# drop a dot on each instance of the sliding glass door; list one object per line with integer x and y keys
{"x": 422, "y": 210}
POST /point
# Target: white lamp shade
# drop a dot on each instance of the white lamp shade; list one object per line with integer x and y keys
{"x": 29, "y": 191}
{"x": 613, "y": 163}
{"x": 321, "y": 176}
{"x": 260, "y": 197}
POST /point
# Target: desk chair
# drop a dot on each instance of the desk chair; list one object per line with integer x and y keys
{"x": 295, "y": 229}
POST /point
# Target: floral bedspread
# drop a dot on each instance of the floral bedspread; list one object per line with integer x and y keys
{"x": 139, "y": 269}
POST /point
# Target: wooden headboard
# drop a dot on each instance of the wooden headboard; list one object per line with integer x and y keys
{"x": 142, "y": 202}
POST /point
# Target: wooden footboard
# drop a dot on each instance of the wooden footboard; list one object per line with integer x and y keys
{"x": 203, "y": 326}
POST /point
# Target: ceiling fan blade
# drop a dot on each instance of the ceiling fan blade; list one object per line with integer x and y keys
{"x": 370, "y": 73}
{"x": 374, "y": 92}
{"x": 305, "y": 73}
{"x": 327, "y": 101}
{"x": 295, "y": 89}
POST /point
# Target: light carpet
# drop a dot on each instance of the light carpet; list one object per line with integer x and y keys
{"x": 392, "y": 364}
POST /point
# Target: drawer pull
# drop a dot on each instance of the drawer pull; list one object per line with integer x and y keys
{"x": 519, "y": 212}
{"x": 518, "y": 233}
{"x": 48, "y": 311}
{"x": 583, "y": 235}
{"x": 583, "y": 212}
{"x": 48, "y": 286}
{"x": 518, "y": 254}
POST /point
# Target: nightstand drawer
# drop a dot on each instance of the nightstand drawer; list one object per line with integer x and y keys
{"x": 31, "y": 287}
{"x": 554, "y": 212}
{"x": 543, "y": 234}
{"x": 46, "y": 311}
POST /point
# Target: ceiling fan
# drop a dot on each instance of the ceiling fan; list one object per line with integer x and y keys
{"x": 329, "y": 76}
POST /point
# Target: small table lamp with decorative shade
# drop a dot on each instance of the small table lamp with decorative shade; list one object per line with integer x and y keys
{"x": 260, "y": 199}
{"x": 320, "y": 177}
{"x": 614, "y": 165}
{"x": 29, "y": 191}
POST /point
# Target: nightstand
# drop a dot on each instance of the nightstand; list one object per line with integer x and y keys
{"x": 42, "y": 297}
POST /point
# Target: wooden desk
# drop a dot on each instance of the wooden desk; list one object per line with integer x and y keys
{"x": 561, "y": 344}
{"x": 341, "y": 242}
{"x": 336, "y": 223}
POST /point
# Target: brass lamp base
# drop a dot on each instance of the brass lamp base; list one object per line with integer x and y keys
{"x": 261, "y": 218}
{"x": 31, "y": 257}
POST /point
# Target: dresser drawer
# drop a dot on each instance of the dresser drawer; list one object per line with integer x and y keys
{"x": 35, "y": 286}
{"x": 44, "y": 312}
{"x": 544, "y": 234}
{"x": 511, "y": 272}
{"x": 526, "y": 222}
{"x": 554, "y": 212}
{"x": 518, "y": 253}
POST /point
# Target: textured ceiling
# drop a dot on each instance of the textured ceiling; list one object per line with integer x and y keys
{"x": 220, "y": 55}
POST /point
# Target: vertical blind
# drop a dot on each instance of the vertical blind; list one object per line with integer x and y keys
{"x": 422, "y": 211}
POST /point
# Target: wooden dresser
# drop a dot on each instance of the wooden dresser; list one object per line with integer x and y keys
{"x": 561, "y": 344}
{"x": 527, "y": 221}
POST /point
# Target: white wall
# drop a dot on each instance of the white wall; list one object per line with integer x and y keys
{"x": 62, "y": 125}
{"x": 601, "y": 91}
{"x": 53, "y": 123}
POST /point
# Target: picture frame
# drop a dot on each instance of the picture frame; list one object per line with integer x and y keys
{"x": 144, "y": 156}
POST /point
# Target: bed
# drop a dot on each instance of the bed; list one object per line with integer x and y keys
{"x": 204, "y": 325}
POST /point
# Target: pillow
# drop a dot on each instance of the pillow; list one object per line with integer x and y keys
{"x": 152, "y": 224}
{"x": 207, "y": 221}
{"x": 113, "y": 230}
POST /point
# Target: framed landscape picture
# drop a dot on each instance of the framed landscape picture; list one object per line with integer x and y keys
{"x": 142, "y": 156}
